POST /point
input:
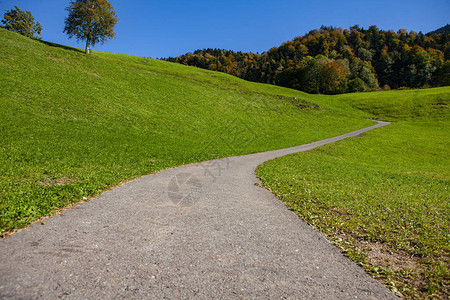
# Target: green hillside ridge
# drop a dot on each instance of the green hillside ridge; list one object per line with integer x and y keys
{"x": 383, "y": 198}
{"x": 74, "y": 125}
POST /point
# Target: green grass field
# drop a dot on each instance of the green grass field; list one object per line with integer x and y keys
{"x": 73, "y": 125}
{"x": 383, "y": 198}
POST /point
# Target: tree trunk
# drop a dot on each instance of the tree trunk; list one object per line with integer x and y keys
{"x": 88, "y": 51}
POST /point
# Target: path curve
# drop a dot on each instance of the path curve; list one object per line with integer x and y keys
{"x": 202, "y": 231}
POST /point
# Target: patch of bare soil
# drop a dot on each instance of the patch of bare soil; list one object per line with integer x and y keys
{"x": 408, "y": 271}
{"x": 382, "y": 255}
{"x": 91, "y": 74}
{"x": 56, "y": 181}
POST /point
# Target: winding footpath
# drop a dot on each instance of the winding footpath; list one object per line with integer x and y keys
{"x": 201, "y": 231}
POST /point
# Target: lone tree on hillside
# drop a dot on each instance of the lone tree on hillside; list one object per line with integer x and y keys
{"x": 22, "y": 22}
{"x": 91, "y": 20}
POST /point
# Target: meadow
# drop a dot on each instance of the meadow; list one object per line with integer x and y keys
{"x": 72, "y": 125}
{"x": 383, "y": 197}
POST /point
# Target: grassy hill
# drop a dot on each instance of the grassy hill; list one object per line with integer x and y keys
{"x": 74, "y": 125}
{"x": 383, "y": 198}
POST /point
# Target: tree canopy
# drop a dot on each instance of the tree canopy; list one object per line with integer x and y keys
{"x": 333, "y": 60}
{"x": 445, "y": 29}
{"x": 22, "y": 22}
{"x": 92, "y": 21}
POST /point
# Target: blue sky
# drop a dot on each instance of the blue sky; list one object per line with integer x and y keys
{"x": 170, "y": 28}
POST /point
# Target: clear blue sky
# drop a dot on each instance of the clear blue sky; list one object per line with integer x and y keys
{"x": 174, "y": 27}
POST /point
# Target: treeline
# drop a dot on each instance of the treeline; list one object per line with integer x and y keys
{"x": 333, "y": 60}
{"x": 444, "y": 30}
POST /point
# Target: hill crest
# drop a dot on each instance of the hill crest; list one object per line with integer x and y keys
{"x": 443, "y": 30}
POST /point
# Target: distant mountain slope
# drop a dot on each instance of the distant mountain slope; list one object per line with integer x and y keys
{"x": 333, "y": 60}
{"x": 442, "y": 30}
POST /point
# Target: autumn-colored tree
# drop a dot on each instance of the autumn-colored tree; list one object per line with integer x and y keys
{"x": 334, "y": 78}
{"x": 22, "y": 22}
{"x": 91, "y": 20}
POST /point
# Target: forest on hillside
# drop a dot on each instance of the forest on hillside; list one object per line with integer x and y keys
{"x": 333, "y": 60}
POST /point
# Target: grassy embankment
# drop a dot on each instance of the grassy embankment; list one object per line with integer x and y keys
{"x": 72, "y": 125}
{"x": 382, "y": 198}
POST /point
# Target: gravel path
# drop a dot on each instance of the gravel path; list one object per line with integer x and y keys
{"x": 202, "y": 231}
